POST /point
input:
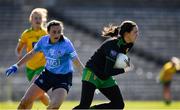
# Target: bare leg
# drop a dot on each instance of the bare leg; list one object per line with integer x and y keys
{"x": 167, "y": 94}
{"x": 32, "y": 93}
{"x": 44, "y": 98}
{"x": 58, "y": 96}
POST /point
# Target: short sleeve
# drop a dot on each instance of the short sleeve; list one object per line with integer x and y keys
{"x": 71, "y": 50}
{"x": 23, "y": 37}
{"x": 38, "y": 46}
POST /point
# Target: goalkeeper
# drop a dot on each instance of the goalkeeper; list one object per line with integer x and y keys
{"x": 99, "y": 69}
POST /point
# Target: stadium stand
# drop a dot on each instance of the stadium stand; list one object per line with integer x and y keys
{"x": 159, "y": 25}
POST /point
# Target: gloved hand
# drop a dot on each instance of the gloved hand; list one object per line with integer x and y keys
{"x": 11, "y": 70}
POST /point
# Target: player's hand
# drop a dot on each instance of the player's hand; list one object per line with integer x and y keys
{"x": 127, "y": 62}
{"x": 130, "y": 67}
{"x": 11, "y": 70}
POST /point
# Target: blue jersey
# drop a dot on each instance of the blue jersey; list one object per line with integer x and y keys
{"x": 58, "y": 55}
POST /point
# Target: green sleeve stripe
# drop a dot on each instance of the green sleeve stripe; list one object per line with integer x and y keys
{"x": 88, "y": 75}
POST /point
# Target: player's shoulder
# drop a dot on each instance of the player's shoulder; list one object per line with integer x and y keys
{"x": 26, "y": 33}
{"x": 168, "y": 65}
{"x": 45, "y": 37}
{"x": 110, "y": 41}
{"x": 28, "y": 30}
{"x": 44, "y": 30}
{"x": 66, "y": 39}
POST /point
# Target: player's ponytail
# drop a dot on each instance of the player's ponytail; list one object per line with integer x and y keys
{"x": 110, "y": 31}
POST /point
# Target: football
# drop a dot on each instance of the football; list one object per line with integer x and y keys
{"x": 121, "y": 61}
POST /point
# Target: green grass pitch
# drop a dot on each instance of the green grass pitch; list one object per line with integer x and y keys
{"x": 130, "y": 105}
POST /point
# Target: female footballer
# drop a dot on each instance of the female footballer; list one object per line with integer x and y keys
{"x": 57, "y": 75}
{"x": 166, "y": 75}
{"x": 99, "y": 69}
{"x": 27, "y": 41}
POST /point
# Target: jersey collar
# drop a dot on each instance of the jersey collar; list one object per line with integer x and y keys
{"x": 122, "y": 42}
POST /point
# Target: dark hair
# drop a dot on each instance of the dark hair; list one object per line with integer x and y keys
{"x": 115, "y": 31}
{"x": 126, "y": 26}
{"x": 55, "y": 23}
{"x": 110, "y": 31}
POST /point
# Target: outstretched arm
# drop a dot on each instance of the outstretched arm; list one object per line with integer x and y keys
{"x": 26, "y": 57}
{"x": 13, "y": 69}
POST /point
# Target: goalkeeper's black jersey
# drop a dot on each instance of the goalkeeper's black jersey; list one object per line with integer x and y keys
{"x": 103, "y": 60}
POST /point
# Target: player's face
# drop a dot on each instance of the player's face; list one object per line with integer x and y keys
{"x": 55, "y": 33}
{"x": 36, "y": 20}
{"x": 133, "y": 34}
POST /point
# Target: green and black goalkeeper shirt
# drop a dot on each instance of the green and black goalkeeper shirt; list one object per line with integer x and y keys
{"x": 103, "y": 60}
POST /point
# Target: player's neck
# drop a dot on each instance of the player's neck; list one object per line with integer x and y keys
{"x": 36, "y": 28}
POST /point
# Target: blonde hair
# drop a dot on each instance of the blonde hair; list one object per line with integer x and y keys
{"x": 110, "y": 31}
{"x": 176, "y": 62}
{"x": 43, "y": 12}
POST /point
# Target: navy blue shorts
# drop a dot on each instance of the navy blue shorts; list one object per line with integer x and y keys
{"x": 48, "y": 80}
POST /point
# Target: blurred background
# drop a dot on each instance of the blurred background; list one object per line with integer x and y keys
{"x": 159, "y": 25}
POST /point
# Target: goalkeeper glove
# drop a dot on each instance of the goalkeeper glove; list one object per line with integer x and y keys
{"x": 11, "y": 70}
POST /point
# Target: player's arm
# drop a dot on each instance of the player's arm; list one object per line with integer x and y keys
{"x": 26, "y": 57}
{"x": 109, "y": 67}
{"x": 75, "y": 58}
{"x": 19, "y": 49}
{"x": 13, "y": 69}
{"x": 78, "y": 64}
{"x": 110, "y": 59}
{"x": 21, "y": 44}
